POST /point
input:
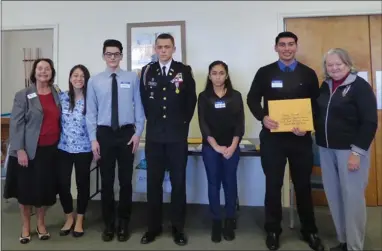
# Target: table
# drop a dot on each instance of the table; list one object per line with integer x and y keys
{"x": 245, "y": 151}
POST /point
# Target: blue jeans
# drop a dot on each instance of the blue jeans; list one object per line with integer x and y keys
{"x": 220, "y": 170}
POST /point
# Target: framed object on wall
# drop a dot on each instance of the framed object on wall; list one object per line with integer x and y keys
{"x": 141, "y": 42}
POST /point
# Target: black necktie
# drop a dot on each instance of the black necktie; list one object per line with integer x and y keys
{"x": 287, "y": 69}
{"x": 164, "y": 70}
{"x": 114, "y": 103}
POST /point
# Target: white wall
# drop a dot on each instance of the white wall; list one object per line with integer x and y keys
{"x": 13, "y": 54}
{"x": 241, "y": 33}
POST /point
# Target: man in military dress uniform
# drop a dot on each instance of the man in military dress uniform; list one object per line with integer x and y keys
{"x": 169, "y": 99}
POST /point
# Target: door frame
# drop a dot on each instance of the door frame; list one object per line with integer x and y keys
{"x": 281, "y": 26}
{"x": 53, "y": 27}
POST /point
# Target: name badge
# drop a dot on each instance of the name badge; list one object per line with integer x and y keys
{"x": 219, "y": 104}
{"x": 277, "y": 84}
{"x": 32, "y": 95}
{"x": 125, "y": 85}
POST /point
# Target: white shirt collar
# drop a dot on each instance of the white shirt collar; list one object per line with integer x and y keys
{"x": 167, "y": 66}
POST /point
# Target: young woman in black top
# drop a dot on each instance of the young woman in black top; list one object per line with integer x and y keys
{"x": 221, "y": 121}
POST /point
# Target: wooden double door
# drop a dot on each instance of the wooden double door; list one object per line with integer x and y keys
{"x": 361, "y": 37}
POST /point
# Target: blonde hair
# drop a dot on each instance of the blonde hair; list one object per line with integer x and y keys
{"x": 345, "y": 58}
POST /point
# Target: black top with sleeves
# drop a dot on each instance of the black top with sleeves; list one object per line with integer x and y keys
{"x": 221, "y": 118}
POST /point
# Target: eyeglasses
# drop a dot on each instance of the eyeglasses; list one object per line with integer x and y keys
{"x": 110, "y": 55}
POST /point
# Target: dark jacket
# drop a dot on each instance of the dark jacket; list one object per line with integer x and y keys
{"x": 221, "y": 118}
{"x": 169, "y": 101}
{"x": 348, "y": 116}
{"x": 298, "y": 84}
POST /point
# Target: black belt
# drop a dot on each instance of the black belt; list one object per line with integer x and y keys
{"x": 127, "y": 126}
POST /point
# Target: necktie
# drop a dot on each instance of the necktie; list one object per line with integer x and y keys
{"x": 287, "y": 69}
{"x": 114, "y": 103}
{"x": 164, "y": 70}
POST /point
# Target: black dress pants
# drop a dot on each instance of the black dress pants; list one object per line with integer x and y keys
{"x": 82, "y": 162}
{"x": 113, "y": 148}
{"x": 275, "y": 149}
{"x": 159, "y": 157}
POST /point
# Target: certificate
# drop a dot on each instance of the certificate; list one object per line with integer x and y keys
{"x": 291, "y": 113}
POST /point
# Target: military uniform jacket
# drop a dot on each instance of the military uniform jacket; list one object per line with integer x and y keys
{"x": 169, "y": 101}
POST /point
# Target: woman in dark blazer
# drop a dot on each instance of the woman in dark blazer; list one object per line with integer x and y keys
{"x": 34, "y": 134}
{"x": 221, "y": 121}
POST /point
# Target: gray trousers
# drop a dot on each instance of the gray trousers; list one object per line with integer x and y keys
{"x": 345, "y": 192}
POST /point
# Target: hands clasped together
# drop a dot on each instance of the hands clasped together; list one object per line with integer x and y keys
{"x": 227, "y": 152}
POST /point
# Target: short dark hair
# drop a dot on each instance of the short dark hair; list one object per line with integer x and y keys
{"x": 32, "y": 76}
{"x": 166, "y": 36}
{"x": 84, "y": 88}
{"x": 286, "y": 34}
{"x": 112, "y": 43}
{"x": 227, "y": 82}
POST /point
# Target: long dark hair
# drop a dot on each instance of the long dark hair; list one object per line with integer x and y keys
{"x": 84, "y": 88}
{"x": 227, "y": 82}
{"x": 32, "y": 76}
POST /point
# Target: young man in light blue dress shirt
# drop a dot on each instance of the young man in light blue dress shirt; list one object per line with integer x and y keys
{"x": 115, "y": 121}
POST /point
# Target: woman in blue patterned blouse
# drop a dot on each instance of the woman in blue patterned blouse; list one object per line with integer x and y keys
{"x": 74, "y": 148}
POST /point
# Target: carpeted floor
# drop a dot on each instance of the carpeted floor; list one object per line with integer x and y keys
{"x": 250, "y": 235}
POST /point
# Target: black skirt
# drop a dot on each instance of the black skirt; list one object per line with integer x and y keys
{"x": 36, "y": 184}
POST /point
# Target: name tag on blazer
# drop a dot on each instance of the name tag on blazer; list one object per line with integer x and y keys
{"x": 219, "y": 104}
{"x": 277, "y": 84}
{"x": 32, "y": 95}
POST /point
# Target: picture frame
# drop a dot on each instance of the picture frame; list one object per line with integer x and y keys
{"x": 141, "y": 42}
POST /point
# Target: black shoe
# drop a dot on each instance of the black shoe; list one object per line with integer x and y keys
{"x": 273, "y": 241}
{"x": 77, "y": 234}
{"x": 123, "y": 231}
{"x": 340, "y": 247}
{"x": 150, "y": 236}
{"x": 228, "y": 232}
{"x": 313, "y": 241}
{"x": 179, "y": 237}
{"x": 65, "y": 232}
{"x": 216, "y": 233}
{"x": 108, "y": 233}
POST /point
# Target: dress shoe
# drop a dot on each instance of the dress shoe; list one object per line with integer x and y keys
{"x": 340, "y": 247}
{"x": 179, "y": 237}
{"x": 25, "y": 239}
{"x": 314, "y": 242}
{"x": 77, "y": 234}
{"x": 150, "y": 236}
{"x": 216, "y": 233}
{"x": 123, "y": 231}
{"x": 43, "y": 236}
{"x": 65, "y": 232}
{"x": 228, "y": 232}
{"x": 108, "y": 233}
{"x": 273, "y": 241}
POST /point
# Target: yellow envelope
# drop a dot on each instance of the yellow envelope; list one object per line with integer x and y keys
{"x": 194, "y": 140}
{"x": 290, "y": 113}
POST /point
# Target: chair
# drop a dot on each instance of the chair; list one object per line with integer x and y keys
{"x": 316, "y": 183}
